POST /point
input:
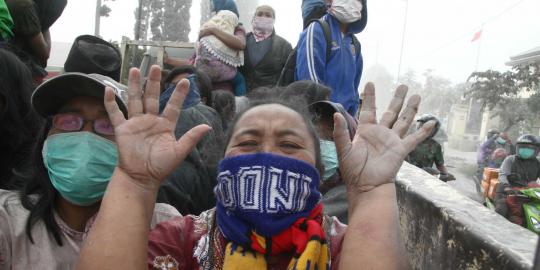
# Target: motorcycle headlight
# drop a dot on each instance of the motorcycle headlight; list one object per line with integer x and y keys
{"x": 535, "y": 223}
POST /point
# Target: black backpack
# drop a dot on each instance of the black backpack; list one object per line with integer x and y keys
{"x": 287, "y": 73}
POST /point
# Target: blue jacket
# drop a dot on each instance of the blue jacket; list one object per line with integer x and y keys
{"x": 342, "y": 72}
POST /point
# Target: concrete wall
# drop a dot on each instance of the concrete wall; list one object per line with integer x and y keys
{"x": 443, "y": 229}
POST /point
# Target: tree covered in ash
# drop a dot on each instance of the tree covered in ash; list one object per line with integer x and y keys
{"x": 163, "y": 20}
{"x": 105, "y": 10}
{"x": 206, "y": 11}
{"x": 513, "y": 95}
{"x": 438, "y": 93}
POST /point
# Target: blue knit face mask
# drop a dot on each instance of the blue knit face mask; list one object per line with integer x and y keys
{"x": 80, "y": 165}
{"x": 329, "y": 158}
{"x": 265, "y": 192}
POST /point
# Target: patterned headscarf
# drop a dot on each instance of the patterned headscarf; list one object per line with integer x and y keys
{"x": 226, "y": 21}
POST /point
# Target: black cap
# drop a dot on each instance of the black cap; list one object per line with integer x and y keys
{"x": 90, "y": 54}
{"x": 52, "y": 94}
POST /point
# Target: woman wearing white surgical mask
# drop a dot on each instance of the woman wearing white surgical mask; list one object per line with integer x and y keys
{"x": 346, "y": 11}
{"x": 328, "y": 51}
{"x": 266, "y": 52}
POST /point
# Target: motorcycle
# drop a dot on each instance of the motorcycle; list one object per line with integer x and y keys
{"x": 523, "y": 202}
{"x": 524, "y": 207}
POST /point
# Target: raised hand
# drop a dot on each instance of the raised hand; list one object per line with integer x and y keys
{"x": 377, "y": 151}
{"x": 147, "y": 148}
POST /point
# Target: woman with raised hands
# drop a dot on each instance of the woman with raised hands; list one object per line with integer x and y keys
{"x": 268, "y": 213}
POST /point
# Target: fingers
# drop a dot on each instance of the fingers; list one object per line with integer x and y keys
{"x": 342, "y": 138}
{"x": 151, "y": 94}
{"x": 390, "y": 116}
{"x": 174, "y": 105}
{"x": 185, "y": 144}
{"x": 135, "y": 105}
{"x": 407, "y": 116}
{"x": 115, "y": 115}
{"x": 419, "y": 136}
{"x": 368, "y": 114}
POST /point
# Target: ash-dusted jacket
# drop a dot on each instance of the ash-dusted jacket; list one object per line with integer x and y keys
{"x": 267, "y": 71}
{"x": 343, "y": 70}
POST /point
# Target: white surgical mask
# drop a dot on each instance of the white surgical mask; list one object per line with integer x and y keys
{"x": 262, "y": 28}
{"x": 346, "y": 11}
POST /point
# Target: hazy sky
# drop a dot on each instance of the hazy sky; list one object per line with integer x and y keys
{"x": 438, "y": 33}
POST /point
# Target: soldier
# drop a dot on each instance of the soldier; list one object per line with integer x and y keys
{"x": 430, "y": 152}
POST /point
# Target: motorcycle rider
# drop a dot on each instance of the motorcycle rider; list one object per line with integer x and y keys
{"x": 518, "y": 170}
{"x": 495, "y": 140}
{"x": 429, "y": 151}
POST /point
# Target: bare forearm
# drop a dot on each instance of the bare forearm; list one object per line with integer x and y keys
{"x": 372, "y": 239}
{"x": 121, "y": 227}
{"x": 176, "y": 62}
{"x": 47, "y": 38}
{"x": 231, "y": 41}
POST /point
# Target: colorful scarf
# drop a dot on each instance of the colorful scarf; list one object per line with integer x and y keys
{"x": 268, "y": 205}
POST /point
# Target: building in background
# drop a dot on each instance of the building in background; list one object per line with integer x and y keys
{"x": 531, "y": 56}
{"x": 468, "y": 124}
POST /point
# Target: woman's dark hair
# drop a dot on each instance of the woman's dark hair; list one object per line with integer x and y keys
{"x": 21, "y": 126}
{"x": 38, "y": 194}
{"x": 204, "y": 84}
{"x": 266, "y": 96}
{"x": 224, "y": 103}
{"x": 309, "y": 90}
{"x": 20, "y": 123}
{"x": 186, "y": 69}
{"x": 164, "y": 75}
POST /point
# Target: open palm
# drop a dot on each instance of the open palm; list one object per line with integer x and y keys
{"x": 147, "y": 148}
{"x": 377, "y": 150}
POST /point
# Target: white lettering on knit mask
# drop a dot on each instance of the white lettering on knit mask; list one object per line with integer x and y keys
{"x": 263, "y": 190}
{"x": 250, "y": 187}
{"x": 225, "y": 189}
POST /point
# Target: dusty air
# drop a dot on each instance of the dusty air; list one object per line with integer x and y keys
{"x": 258, "y": 134}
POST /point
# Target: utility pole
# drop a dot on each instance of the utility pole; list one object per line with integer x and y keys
{"x": 98, "y": 18}
{"x": 139, "y": 18}
{"x": 403, "y": 39}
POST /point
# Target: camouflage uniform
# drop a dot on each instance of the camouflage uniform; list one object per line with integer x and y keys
{"x": 426, "y": 153}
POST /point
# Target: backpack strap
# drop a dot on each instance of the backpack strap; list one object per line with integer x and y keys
{"x": 287, "y": 73}
{"x": 327, "y": 35}
{"x": 356, "y": 44}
